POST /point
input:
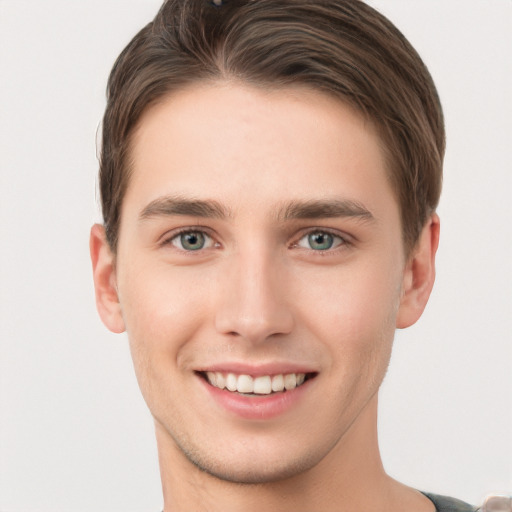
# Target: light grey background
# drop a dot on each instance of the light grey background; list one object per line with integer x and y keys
{"x": 74, "y": 431}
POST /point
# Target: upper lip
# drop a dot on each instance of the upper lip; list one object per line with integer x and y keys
{"x": 256, "y": 370}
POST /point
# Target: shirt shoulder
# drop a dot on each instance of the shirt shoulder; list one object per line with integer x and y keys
{"x": 446, "y": 504}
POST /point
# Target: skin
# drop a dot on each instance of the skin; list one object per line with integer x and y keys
{"x": 240, "y": 165}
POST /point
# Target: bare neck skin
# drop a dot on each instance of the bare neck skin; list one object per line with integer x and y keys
{"x": 350, "y": 478}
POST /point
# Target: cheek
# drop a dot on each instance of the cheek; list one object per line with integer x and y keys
{"x": 352, "y": 311}
{"x": 163, "y": 310}
{"x": 355, "y": 298}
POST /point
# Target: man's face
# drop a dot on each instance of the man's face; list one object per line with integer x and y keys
{"x": 259, "y": 237}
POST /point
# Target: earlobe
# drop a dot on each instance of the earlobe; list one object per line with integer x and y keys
{"x": 419, "y": 275}
{"x": 103, "y": 267}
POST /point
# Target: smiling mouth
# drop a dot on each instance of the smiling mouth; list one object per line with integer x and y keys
{"x": 256, "y": 386}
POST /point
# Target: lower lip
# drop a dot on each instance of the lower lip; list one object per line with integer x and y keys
{"x": 261, "y": 407}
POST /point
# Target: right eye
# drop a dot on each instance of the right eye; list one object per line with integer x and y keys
{"x": 191, "y": 240}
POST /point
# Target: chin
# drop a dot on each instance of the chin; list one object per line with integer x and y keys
{"x": 253, "y": 474}
{"x": 248, "y": 469}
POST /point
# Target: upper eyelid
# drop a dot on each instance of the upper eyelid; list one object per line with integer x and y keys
{"x": 334, "y": 232}
{"x": 173, "y": 233}
{"x": 168, "y": 241}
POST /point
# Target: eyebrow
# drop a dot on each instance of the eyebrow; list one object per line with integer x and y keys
{"x": 176, "y": 205}
{"x": 324, "y": 209}
{"x": 310, "y": 209}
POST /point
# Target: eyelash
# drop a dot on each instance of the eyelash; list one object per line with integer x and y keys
{"x": 188, "y": 230}
{"x": 343, "y": 241}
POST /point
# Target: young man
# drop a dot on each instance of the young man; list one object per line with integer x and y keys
{"x": 270, "y": 172}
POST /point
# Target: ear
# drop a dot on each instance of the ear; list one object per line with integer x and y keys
{"x": 104, "y": 275}
{"x": 419, "y": 275}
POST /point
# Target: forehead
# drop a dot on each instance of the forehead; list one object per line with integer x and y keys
{"x": 243, "y": 146}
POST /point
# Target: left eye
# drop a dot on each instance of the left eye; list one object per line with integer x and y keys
{"x": 192, "y": 241}
{"x": 320, "y": 241}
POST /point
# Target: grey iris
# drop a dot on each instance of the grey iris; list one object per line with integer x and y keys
{"x": 192, "y": 241}
{"x": 320, "y": 241}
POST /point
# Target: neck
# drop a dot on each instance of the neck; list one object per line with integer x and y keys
{"x": 351, "y": 477}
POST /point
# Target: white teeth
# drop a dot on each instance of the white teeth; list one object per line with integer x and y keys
{"x": 231, "y": 382}
{"x": 277, "y": 383}
{"x": 245, "y": 384}
{"x": 212, "y": 377}
{"x": 262, "y": 385}
{"x": 220, "y": 380}
{"x": 290, "y": 381}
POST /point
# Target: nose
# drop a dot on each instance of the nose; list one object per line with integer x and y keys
{"x": 253, "y": 303}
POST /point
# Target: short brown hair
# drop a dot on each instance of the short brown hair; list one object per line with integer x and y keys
{"x": 342, "y": 47}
